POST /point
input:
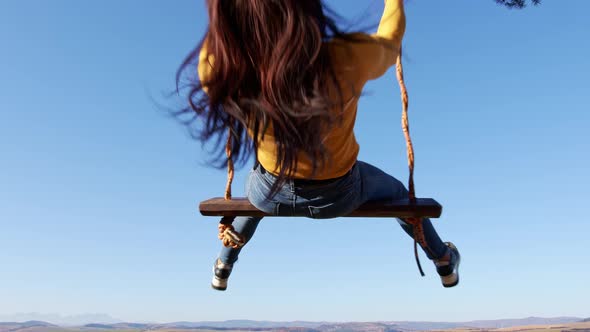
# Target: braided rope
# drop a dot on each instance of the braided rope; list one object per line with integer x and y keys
{"x": 417, "y": 226}
{"x": 227, "y": 234}
{"x": 406, "y": 124}
{"x": 230, "y": 165}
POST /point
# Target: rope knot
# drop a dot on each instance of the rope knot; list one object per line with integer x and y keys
{"x": 229, "y": 237}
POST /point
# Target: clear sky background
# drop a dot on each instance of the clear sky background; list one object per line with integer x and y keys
{"x": 99, "y": 190}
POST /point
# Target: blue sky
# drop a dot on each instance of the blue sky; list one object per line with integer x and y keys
{"x": 99, "y": 191}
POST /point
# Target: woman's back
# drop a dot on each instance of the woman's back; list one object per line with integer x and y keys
{"x": 353, "y": 60}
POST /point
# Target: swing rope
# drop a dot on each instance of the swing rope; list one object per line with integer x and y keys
{"x": 417, "y": 225}
{"x": 227, "y": 234}
{"x": 233, "y": 239}
{"x": 230, "y": 164}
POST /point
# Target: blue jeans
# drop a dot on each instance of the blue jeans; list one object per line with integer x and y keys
{"x": 325, "y": 200}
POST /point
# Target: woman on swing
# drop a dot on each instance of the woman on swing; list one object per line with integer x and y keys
{"x": 283, "y": 77}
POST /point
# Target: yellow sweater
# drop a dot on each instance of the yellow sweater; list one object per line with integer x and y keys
{"x": 355, "y": 63}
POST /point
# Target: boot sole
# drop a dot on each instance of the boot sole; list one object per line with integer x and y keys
{"x": 456, "y": 282}
{"x": 216, "y": 284}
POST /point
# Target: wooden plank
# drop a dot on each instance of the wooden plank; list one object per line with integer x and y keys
{"x": 239, "y": 206}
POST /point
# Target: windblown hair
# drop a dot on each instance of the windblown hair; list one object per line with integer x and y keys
{"x": 270, "y": 66}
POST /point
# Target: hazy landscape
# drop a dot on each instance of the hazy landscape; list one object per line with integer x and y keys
{"x": 531, "y": 324}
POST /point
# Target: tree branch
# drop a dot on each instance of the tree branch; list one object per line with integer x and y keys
{"x": 517, "y": 3}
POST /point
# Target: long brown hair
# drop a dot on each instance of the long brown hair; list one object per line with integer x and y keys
{"x": 271, "y": 66}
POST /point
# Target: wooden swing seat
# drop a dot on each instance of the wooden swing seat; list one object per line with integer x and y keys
{"x": 420, "y": 208}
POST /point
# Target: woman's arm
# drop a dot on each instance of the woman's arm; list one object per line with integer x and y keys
{"x": 373, "y": 54}
{"x": 389, "y": 36}
{"x": 393, "y": 23}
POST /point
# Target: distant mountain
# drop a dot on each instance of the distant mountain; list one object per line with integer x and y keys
{"x": 244, "y": 324}
{"x": 99, "y": 326}
{"x": 123, "y": 326}
{"x": 15, "y": 326}
{"x": 500, "y": 323}
{"x": 388, "y": 326}
{"x": 102, "y": 323}
{"x": 31, "y": 323}
{"x": 73, "y": 320}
